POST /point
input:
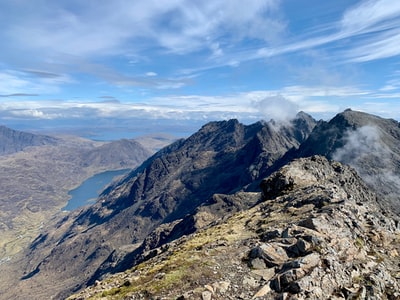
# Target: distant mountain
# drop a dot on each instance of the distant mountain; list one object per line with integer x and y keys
{"x": 155, "y": 142}
{"x": 12, "y": 141}
{"x": 125, "y": 152}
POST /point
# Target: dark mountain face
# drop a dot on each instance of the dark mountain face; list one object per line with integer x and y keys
{"x": 12, "y": 141}
{"x": 222, "y": 157}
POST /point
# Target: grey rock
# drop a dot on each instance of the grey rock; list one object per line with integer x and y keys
{"x": 206, "y": 295}
{"x": 265, "y": 274}
{"x": 257, "y": 263}
{"x": 250, "y": 281}
{"x": 271, "y": 253}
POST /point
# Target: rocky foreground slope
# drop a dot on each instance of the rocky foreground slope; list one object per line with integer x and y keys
{"x": 316, "y": 233}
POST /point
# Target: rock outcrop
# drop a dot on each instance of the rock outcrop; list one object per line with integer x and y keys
{"x": 321, "y": 236}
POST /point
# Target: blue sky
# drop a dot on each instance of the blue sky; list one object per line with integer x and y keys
{"x": 167, "y": 65}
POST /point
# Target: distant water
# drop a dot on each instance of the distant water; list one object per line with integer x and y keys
{"x": 90, "y": 189}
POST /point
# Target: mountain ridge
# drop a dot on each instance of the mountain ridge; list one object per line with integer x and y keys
{"x": 368, "y": 143}
{"x": 12, "y": 141}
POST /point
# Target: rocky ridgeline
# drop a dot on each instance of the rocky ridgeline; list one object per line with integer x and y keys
{"x": 317, "y": 233}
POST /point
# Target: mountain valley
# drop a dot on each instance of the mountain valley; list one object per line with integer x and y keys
{"x": 38, "y": 172}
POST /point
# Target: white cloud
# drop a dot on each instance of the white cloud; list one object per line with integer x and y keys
{"x": 324, "y": 91}
{"x": 17, "y": 82}
{"x": 276, "y": 107}
{"x": 371, "y": 30}
{"x": 375, "y": 28}
{"x": 382, "y": 45}
{"x": 87, "y": 28}
{"x": 391, "y": 85}
{"x": 366, "y": 151}
{"x": 33, "y": 114}
{"x": 371, "y": 15}
{"x": 181, "y": 26}
{"x": 360, "y": 143}
{"x": 151, "y": 74}
{"x": 247, "y": 106}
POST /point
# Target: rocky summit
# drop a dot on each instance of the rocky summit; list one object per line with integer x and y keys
{"x": 316, "y": 233}
{"x": 260, "y": 211}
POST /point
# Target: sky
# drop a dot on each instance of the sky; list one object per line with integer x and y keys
{"x": 127, "y": 67}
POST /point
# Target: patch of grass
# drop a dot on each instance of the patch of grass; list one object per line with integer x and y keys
{"x": 359, "y": 242}
{"x": 111, "y": 292}
{"x": 190, "y": 264}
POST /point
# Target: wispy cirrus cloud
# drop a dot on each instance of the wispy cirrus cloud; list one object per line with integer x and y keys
{"x": 13, "y": 82}
{"x": 371, "y": 31}
{"x": 181, "y": 27}
{"x": 105, "y": 28}
{"x": 18, "y": 95}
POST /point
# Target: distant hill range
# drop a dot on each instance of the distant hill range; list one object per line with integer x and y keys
{"x": 12, "y": 141}
{"x": 204, "y": 180}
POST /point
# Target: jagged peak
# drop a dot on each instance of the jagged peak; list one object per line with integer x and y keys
{"x": 218, "y": 125}
{"x": 357, "y": 119}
